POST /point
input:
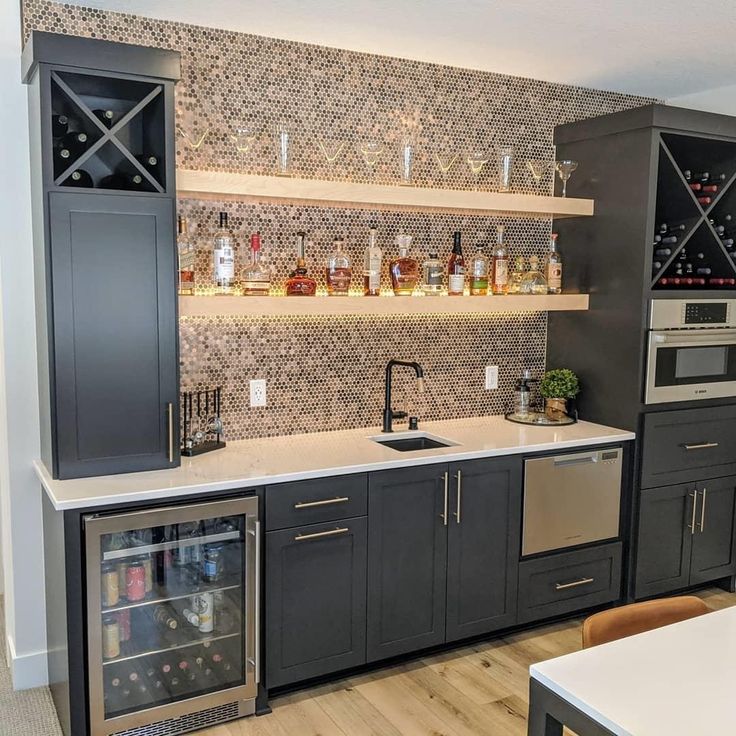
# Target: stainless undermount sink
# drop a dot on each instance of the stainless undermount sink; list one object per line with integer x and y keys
{"x": 412, "y": 441}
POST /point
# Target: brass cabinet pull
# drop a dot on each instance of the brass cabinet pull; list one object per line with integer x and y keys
{"x": 319, "y": 535}
{"x": 691, "y": 525}
{"x": 324, "y": 502}
{"x": 702, "y": 512}
{"x": 582, "y": 581}
{"x": 701, "y": 446}
{"x": 459, "y": 492}
{"x": 170, "y": 412}
{"x": 447, "y": 498}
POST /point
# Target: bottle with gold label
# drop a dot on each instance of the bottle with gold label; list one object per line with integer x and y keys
{"x": 300, "y": 283}
{"x": 339, "y": 272}
{"x": 404, "y": 269}
{"x": 479, "y": 272}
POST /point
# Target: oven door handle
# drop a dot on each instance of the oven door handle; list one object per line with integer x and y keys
{"x": 676, "y": 338}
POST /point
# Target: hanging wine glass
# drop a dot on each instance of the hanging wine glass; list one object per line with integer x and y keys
{"x": 477, "y": 160}
{"x": 243, "y": 138}
{"x": 565, "y": 168}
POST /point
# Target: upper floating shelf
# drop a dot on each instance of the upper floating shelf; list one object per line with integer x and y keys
{"x": 215, "y": 184}
{"x": 255, "y": 306}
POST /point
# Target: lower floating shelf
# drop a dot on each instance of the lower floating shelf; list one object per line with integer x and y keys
{"x": 214, "y": 306}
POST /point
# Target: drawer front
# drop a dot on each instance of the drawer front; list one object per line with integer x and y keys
{"x": 571, "y": 581}
{"x": 688, "y": 445}
{"x": 315, "y": 501}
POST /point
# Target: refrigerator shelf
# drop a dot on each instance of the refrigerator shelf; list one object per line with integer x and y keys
{"x": 167, "y": 598}
{"x": 121, "y": 554}
{"x": 171, "y": 648}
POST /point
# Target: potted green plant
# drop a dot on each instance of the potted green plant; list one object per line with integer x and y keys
{"x": 557, "y": 386}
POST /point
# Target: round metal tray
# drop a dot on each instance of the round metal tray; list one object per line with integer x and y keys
{"x": 540, "y": 419}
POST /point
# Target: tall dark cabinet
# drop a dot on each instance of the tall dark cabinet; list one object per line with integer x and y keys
{"x": 104, "y": 197}
{"x": 641, "y": 168}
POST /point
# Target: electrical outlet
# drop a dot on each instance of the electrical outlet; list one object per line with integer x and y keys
{"x": 491, "y": 377}
{"x": 258, "y": 392}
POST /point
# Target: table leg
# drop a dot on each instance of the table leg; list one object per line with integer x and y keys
{"x": 541, "y": 723}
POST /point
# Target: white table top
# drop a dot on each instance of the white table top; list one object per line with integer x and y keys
{"x": 679, "y": 680}
{"x": 250, "y": 463}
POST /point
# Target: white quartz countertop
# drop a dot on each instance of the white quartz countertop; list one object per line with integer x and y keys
{"x": 250, "y": 463}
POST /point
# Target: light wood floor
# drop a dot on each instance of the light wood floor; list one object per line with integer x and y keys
{"x": 478, "y": 690}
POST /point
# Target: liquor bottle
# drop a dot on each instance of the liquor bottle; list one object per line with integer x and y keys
{"x": 79, "y": 178}
{"x": 372, "y": 265}
{"x": 533, "y": 281}
{"x": 500, "y": 263}
{"x": 554, "y": 267}
{"x": 456, "y": 268}
{"x": 256, "y": 276}
{"x": 404, "y": 269}
{"x": 104, "y": 116}
{"x": 479, "y": 266}
{"x": 165, "y": 617}
{"x": 299, "y": 283}
{"x": 187, "y": 255}
{"x": 339, "y": 271}
{"x": 224, "y": 258}
{"x": 517, "y": 274}
{"x": 59, "y": 125}
{"x": 433, "y": 274}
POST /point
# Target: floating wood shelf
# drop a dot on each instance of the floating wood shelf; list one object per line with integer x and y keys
{"x": 249, "y": 306}
{"x": 220, "y": 185}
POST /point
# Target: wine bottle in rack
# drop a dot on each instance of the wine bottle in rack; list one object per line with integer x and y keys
{"x": 663, "y": 252}
{"x": 165, "y": 617}
{"x": 122, "y": 180}
{"x": 79, "y": 178}
{"x": 657, "y": 239}
{"x": 148, "y": 161}
{"x": 705, "y": 201}
{"x": 669, "y": 240}
{"x": 106, "y": 117}
{"x": 59, "y": 125}
{"x": 667, "y": 229}
{"x": 75, "y": 141}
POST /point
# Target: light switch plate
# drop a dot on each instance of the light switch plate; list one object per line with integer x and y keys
{"x": 491, "y": 377}
{"x": 258, "y": 392}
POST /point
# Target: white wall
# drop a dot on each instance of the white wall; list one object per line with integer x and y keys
{"x": 20, "y": 495}
{"x": 720, "y": 100}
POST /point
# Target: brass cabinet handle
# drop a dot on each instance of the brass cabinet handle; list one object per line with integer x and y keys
{"x": 691, "y": 525}
{"x": 170, "y": 412}
{"x": 325, "y": 502}
{"x": 701, "y": 446}
{"x": 320, "y": 535}
{"x": 582, "y": 581}
{"x": 459, "y": 492}
{"x": 447, "y": 498}
{"x": 702, "y": 512}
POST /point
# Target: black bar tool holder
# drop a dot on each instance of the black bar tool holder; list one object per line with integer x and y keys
{"x": 201, "y": 422}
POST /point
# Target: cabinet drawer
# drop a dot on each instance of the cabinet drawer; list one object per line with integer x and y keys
{"x": 688, "y": 445}
{"x": 315, "y": 501}
{"x": 562, "y": 583}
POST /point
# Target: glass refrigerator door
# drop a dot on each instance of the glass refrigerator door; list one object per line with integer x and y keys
{"x": 172, "y": 611}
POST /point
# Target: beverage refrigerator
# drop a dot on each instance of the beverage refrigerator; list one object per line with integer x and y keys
{"x": 172, "y": 617}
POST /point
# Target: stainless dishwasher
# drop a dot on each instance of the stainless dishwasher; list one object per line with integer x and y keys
{"x": 571, "y": 499}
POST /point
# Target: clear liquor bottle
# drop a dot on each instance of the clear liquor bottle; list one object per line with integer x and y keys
{"x": 187, "y": 256}
{"x": 517, "y": 274}
{"x": 479, "y": 272}
{"x": 224, "y": 258}
{"x": 433, "y": 274}
{"x": 554, "y": 267}
{"x": 339, "y": 270}
{"x": 256, "y": 276}
{"x": 500, "y": 280}
{"x": 372, "y": 265}
{"x": 300, "y": 283}
{"x": 533, "y": 281}
{"x": 404, "y": 269}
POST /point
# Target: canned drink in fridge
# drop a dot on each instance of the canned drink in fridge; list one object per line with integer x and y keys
{"x": 124, "y": 624}
{"x": 135, "y": 581}
{"x": 122, "y": 568}
{"x": 147, "y": 563}
{"x": 110, "y": 587}
{"x": 204, "y": 604}
{"x": 110, "y": 638}
{"x": 212, "y": 567}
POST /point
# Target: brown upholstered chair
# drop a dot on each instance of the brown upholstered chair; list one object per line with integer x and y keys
{"x": 635, "y": 618}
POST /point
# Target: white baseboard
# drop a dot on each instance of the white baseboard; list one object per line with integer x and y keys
{"x": 27, "y": 670}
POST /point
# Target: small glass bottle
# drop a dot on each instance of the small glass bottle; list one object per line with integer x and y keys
{"x": 456, "y": 268}
{"x": 516, "y": 276}
{"x": 500, "y": 280}
{"x": 479, "y": 272}
{"x": 372, "y": 265}
{"x": 256, "y": 276}
{"x": 554, "y": 267}
{"x": 404, "y": 269}
{"x": 224, "y": 258}
{"x": 299, "y": 283}
{"x": 433, "y": 274}
{"x": 187, "y": 257}
{"x": 533, "y": 281}
{"x": 339, "y": 270}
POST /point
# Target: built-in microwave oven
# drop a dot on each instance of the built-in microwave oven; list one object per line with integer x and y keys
{"x": 692, "y": 350}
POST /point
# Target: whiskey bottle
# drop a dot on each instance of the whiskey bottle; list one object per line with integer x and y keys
{"x": 256, "y": 276}
{"x": 224, "y": 258}
{"x": 554, "y": 267}
{"x": 187, "y": 256}
{"x": 339, "y": 272}
{"x": 433, "y": 274}
{"x": 372, "y": 265}
{"x": 404, "y": 269}
{"x": 299, "y": 283}
{"x": 456, "y": 268}
{"x": 500, "y": 278}
{"x": 479, "y": 272}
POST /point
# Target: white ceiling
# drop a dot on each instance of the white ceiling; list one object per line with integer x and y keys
{"x": 662, "y": 48}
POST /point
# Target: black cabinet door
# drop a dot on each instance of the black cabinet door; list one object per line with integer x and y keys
{"x": 664, "y": 541}
{"x": 407, "y": 557}
{"x": 315, "y": 600}
{"x": 483, "y": 546}
{"x": 713, "y": 552}
{"x": 115, "y": 333}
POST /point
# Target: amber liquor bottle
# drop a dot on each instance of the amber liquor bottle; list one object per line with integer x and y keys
{"x": 187, "y": 257}
{"x": 300, "y": 283}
